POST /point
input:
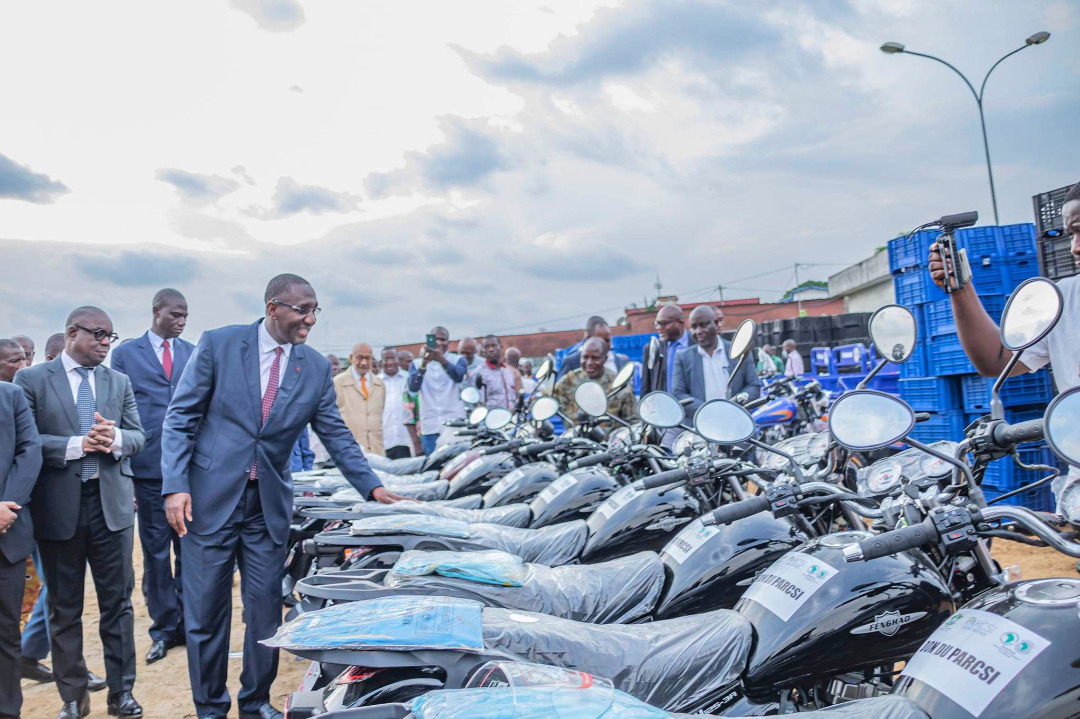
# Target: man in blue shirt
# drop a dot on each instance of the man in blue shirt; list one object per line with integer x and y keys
{"x": 671, "y": 325}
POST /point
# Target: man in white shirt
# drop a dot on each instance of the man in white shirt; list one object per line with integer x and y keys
{"x": 396, "y": 438}
{"x": 703, "y": 372}
{"x": 794, "y": 366}
{"x": 437, "y": 377}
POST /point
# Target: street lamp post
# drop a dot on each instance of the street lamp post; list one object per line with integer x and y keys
{"x": 894, "y": 48}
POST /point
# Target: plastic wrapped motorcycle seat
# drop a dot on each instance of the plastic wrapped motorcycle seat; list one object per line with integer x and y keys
{"x": 551, "y": 546}
{"x": 406, "y": 465}
{"x": 614, "y": 592}
{"x": 532, "y": 703}
{"x": 410, "y": 524}
{"x": 388, "y": 623}
{"x": 490, "y": 567}
{"x": 389, "y": 478}
{"x": 510, "y": 515}
{"x": 671, "y": 663}
{"x": 423, "y": 492}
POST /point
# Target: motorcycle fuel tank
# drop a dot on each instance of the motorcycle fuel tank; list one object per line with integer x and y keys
{"x": 779, "y": 411}
{"x": 577, "y": 492}
{"x": 1012, "y": 653}
{"x": 479, "y": 473}
{"x": 520, "y": 484}
{"x": 634, "y": 520}
{"x": 457, "y": 463}
{"x": 710, "y": 567}
{"x": 816, "y": 616}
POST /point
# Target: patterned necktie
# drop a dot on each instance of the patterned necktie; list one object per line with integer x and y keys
{"x": 268, "y": 399}
{"x": 363, "y": 385}
{"x": 166, "y": 360}
{"x": 86, "y": 406}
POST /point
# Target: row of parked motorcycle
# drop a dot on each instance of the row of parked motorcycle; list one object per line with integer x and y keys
{"x": 595, "y": 574}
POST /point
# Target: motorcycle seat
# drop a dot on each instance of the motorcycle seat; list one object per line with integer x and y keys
{"x": 614, "y": 592}
{"x": 510, "y": 515}
{"x": 406, "y": 465}
{"x": 418, "y": 478}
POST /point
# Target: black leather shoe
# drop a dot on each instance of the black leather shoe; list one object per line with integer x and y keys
{"x": 122, "y": 704}
{"x": 94, "y": 683}
{"x": 157, "y": 652}
{"x": 76, "y": 709}
{"x": 266, "y": 711}
{"x": 35, "y": 671}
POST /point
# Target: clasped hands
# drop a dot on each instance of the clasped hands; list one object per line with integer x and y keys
{"x": 101, "y": 436}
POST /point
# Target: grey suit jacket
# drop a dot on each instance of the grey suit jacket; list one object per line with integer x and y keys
{"x": 688, "y": 382}
{"x": 20, "y": 462}
{"x": 55, "y": 500}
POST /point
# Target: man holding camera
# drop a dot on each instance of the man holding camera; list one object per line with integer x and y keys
{"x": 436, "y": 377}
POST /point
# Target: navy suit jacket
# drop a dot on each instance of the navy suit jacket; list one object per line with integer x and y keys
{"x": 689, "y": 378}
{"x": 20, "y": 462}
{"x": 153, "y": 392}
{"x": 213, "y": 430}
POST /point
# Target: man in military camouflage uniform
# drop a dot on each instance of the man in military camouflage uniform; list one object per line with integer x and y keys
{"x": 593, "y": 355}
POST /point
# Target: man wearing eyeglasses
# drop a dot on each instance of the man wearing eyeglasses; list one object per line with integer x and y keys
{"x": 671, "y": 325}
{"x": 83, "y": 506}
{"x": 246, "y": 395}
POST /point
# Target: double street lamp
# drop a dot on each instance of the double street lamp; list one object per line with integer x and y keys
{"x": 894, "y": 48}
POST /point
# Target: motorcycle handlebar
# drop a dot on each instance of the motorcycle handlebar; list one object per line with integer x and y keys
{"x": 737, "y": 510}
{"x": 313, "y": 549}
{"x": 898, "y": 540}
{"x": 1010, "y": 434}
{"x": 467, "y": 433}
{"x": 504, "y": 447}
{"x": 532, "y": 449}
{"x": 591, "y": 460}
{"x": 663, "y": 479}
{"x": 457, "y": 423}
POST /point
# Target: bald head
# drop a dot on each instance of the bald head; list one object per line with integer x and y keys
{"x": 593, "y": 356}
{"x": 12, "y": 359}
{"x": 28, "y": 347}
{"x": 467, "y": 349}
{"x": 703, "y": 327}
{"x": 512, "y": 357}
{"x": 671, "y": 322}
{"x": 362, "y": 357}
{"x": 789, "y": 345}
{"x": 54, "y": 346}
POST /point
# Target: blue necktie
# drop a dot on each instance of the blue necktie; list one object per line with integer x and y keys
{"x": 86, "y": 406}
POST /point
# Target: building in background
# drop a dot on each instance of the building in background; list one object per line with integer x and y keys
{"x": 865, "y": 286}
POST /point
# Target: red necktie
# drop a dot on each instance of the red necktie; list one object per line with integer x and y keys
{"x": 268, "y": 399}
{"x": 166, "y": 360}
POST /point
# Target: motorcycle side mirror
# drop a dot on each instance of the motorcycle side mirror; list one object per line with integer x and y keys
{"x": 740, "y": 344}
{"x": 591, "y": 398}
{"x": 544, "y": 408}
{"x": 545, "y": 369}
{"x": 1062, "y": 426}
{"x": 723, "y": 422}
{"x": 654, "y": 351}
{"x": 547, "y": 386}
{"x": 660, "y": 409}
{"x": 470, "y": 395}
{"x": 498, "y": 418}
{"x": 1033, "y": 309}
{"x": 894, "y": 332}
{"x": 625, "y": 375}
{"x": 866, "y": 419}
{"x": 477, "y": 415}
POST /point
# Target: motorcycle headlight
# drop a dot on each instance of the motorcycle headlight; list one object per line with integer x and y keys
{"x": 882, "y": 477}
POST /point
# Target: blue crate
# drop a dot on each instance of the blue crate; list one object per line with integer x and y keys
{"x": 1003, "y": 475}
{"x": 947, "y": 356}
{"x": 888, "y": 383}
{"x": 821, "y": 361}
{"x": 914, "y": 287}
{"x": 930, "y": 394}
{"x": 918, "y": 364}
{"x": 981, "y": 241}
{"x": 913, "y": 252}
{"x": 1040, "y": 499}
{"x": 1019, "y": 239}
{"x": 939, "y": 319}
{"x": 1035, "y": 388}
{"x": 1021, "y": 268}
{"x": 943, "y": 425}
{"x": 851, "y": 358}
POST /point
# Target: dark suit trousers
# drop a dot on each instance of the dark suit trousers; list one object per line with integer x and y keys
{"x": 12, "y": 583}
{"x": 161, "y": 584}
{"x": 208, "y": 581}
{"x": 64, "y": 563}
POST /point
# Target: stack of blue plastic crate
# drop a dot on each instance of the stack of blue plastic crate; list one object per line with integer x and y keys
{"x": 939, "y": 378}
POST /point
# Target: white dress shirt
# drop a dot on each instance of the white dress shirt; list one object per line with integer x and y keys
{"x": 715, "y": 369}
{"x": 266, "y": 357}
{"x": 794, "y": 366}
{"x": 395, "y": 434}
{"x": 158, "y": 343}
{"x": 74, "y": 445}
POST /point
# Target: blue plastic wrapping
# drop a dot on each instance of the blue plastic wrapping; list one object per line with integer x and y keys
{"x": 411, "y": 524}
{"x": 401, "y": 623}
{"x": 614, "y": 592}
{"x": 486, "y": 567}
{"x": 532, "y": 703}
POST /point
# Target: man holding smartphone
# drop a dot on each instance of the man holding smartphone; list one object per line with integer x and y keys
{"x": 436, "y": 377}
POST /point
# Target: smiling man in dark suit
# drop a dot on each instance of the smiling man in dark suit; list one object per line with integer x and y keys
{"x": 246, "y": 395}
{"x": 703, "y": 372}
{"x": 83, "y": 505}
{"x": 154, "y": 362}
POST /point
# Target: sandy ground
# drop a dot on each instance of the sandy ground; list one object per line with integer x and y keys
{"x": 162, "y": 688}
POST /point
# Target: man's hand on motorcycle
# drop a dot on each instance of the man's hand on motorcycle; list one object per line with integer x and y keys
{"x": 383, "y": 495}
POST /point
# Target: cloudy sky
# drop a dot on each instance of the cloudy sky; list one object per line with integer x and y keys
{"x": 498, "y": 165}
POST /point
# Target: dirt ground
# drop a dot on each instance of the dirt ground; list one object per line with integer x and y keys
{"x": 162, "y": 688}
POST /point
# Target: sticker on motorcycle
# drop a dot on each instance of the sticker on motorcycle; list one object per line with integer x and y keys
{"x": 973, "y": 656}
{"x": 688, "y": 541}
{"x": 556, "y": 488}
{"x": 618, "y": 500}
{"x": 789, "y": 583}
{"x": 507, "y": 483}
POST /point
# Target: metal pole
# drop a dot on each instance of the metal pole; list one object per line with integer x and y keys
{"x": 989, "y": 167}
{"x": 798, "y": 295}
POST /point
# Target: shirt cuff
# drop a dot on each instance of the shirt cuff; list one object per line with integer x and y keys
{"x": 74, "y": 448}
{"x": 117, "y": 449}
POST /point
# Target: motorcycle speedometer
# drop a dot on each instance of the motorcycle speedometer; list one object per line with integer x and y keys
{"x": 935, "y": 468}
{"x": 620, "y": 437}
{"x": 883, "y": 477}
{"x": 684, "y": 441}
